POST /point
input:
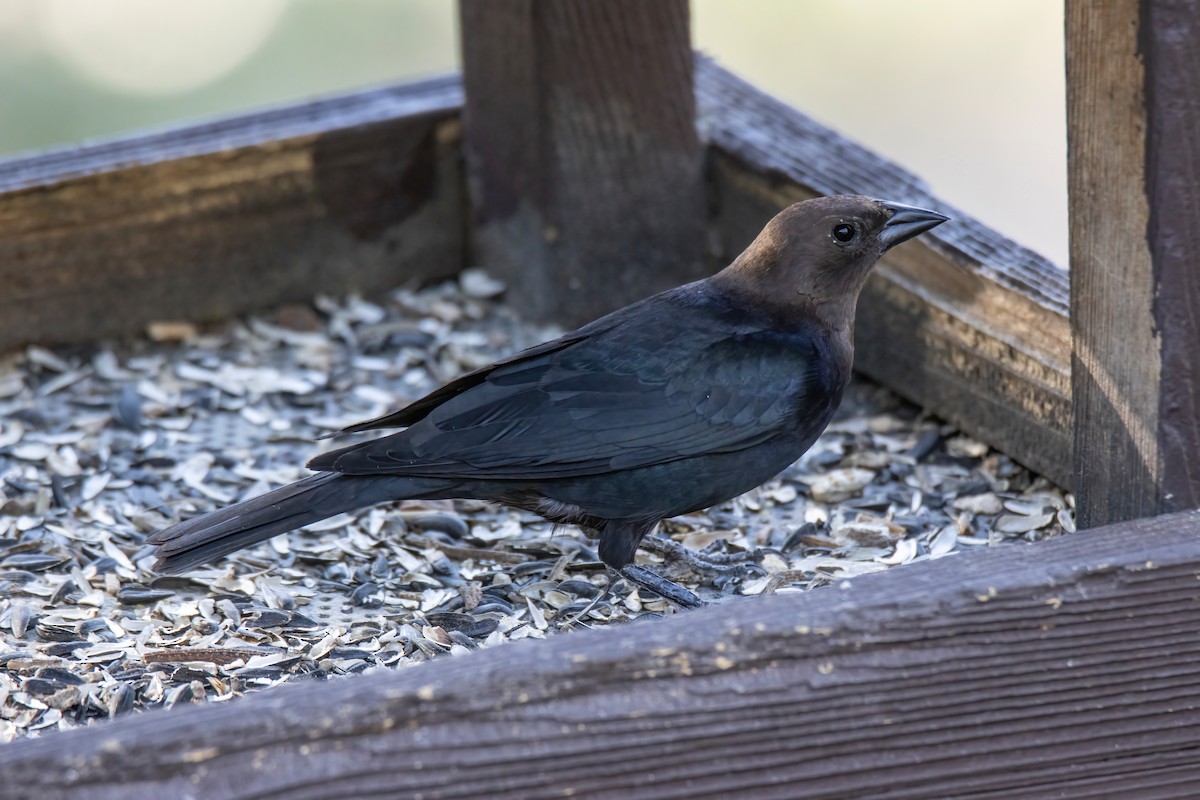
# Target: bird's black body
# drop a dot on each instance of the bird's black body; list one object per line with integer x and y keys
{"x": 672, "y": 404}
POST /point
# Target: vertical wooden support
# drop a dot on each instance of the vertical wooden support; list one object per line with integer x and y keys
{"x": 1133, "y": 103}
{"x": 585, "y": 168}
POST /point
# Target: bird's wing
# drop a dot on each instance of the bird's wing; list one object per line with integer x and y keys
{"x": 631, "y": 397}
{"x": 416, "y": 411}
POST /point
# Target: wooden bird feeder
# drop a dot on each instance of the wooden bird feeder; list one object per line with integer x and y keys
{"x": 594, "y": 160}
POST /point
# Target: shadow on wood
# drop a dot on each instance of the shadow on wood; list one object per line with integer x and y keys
{"x": 1016, "y": 672}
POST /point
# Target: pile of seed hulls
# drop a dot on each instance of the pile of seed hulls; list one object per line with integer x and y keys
{"x": 101, "y": 446}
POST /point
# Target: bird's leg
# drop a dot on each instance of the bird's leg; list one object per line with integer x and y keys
{"x": 719, "y": 563}
{"x": 619, "y": 539}
{"x": 645, "y": 579}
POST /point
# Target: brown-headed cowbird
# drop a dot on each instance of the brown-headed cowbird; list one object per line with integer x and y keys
{"x": 672, "y": 404}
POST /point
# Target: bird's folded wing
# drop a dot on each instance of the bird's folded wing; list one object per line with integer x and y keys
{"x": 416, "y": 411}
{"x": 586, "y": 410}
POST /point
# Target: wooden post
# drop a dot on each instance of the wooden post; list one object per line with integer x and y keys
{"x": 585, "y": 168}
{"x": 1133, "y": 112}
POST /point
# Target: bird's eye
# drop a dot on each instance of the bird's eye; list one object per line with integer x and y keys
{"x": 843, "y": 233}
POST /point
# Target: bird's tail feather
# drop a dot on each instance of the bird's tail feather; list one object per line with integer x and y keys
{"x": 203, "y": 539}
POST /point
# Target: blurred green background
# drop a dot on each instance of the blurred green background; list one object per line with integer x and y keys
{"x": 968, "y": 95}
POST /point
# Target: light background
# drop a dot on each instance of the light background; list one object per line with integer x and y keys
{"x": 968, "y": 95}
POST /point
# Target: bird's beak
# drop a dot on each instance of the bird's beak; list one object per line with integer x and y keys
{"x": 906, "y": 222}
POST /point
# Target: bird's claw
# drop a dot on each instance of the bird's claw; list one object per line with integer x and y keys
{"x": 644, "y": 578}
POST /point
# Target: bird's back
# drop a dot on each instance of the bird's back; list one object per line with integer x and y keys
{"x": 683, "y": 373}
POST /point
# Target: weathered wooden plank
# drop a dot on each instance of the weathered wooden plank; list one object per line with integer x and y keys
{"x": 1133, "y": 104}
{"x": 1062, "y": 669}
{"x": 963, "y": 321}
{"x": 586, "y": 170}
{"x": 357, "y": 192}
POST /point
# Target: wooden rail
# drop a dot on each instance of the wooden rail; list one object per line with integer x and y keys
{"x": 1061, "y": 669}
{"x": 207, "y": 221}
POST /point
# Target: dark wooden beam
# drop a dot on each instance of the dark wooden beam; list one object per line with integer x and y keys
{"x": 963, "y": 321}
{"x": 586, "y": 171}
{"x": 202, "y": 222}
{"x": 1064, "y": 669}
{"x": 1133, "y": 102}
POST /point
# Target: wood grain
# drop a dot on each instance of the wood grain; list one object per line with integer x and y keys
{"x": 962, "y": 321}
{"x": 1134, "y": 178}
{"x": 1115, "y": 348}
{"x": 1060, "y": 669}
{"x": 202, "y": 222}
{"x": 586, "y": 169}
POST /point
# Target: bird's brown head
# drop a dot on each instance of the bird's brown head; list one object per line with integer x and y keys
{"x": 816, "y": 255}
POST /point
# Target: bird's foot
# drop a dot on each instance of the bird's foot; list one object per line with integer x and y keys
{"x": 737, "y": 564}
{"x": 645, "y": 579}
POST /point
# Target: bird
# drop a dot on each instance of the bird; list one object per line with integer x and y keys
{"x": 672, "y": 404}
